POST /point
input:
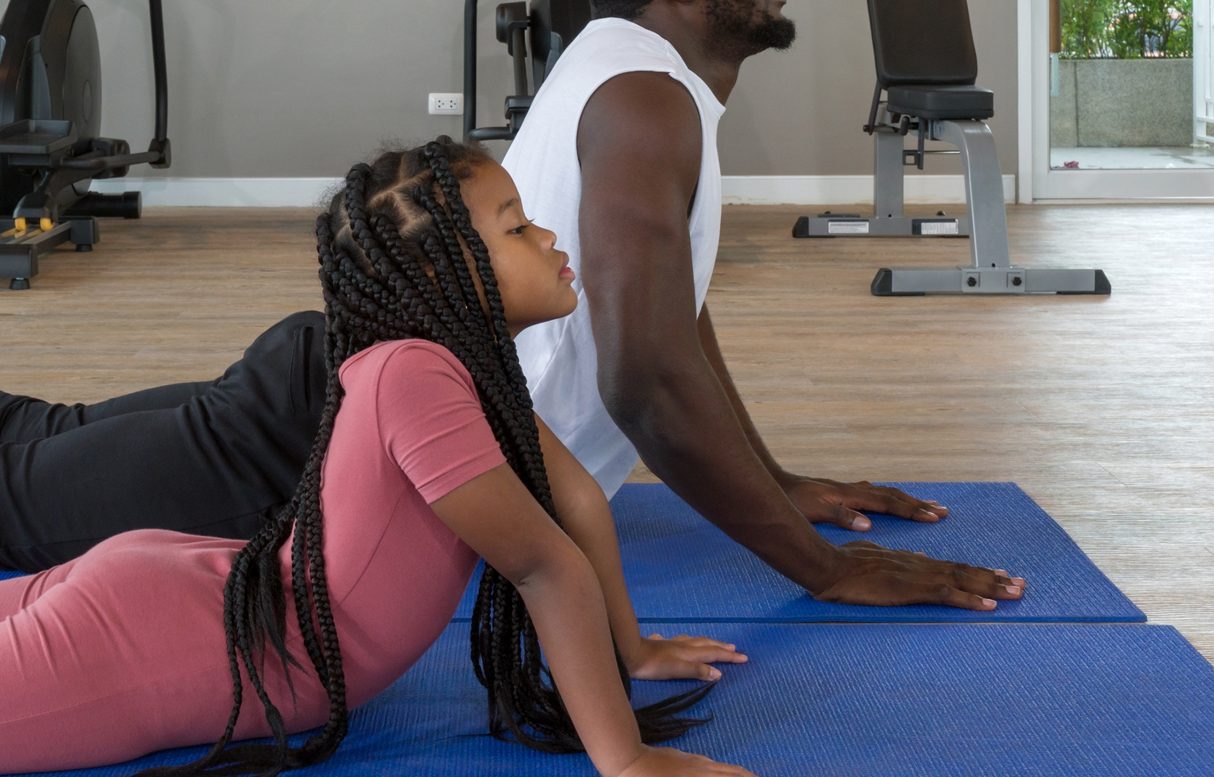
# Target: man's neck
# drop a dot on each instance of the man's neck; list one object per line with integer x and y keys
{"x": 717, "y": 68}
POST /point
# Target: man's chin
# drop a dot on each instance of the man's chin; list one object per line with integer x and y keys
{"x": 775, "y": 33}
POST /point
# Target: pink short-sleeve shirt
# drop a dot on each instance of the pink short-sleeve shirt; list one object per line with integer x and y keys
{"x": 411, "y": 429}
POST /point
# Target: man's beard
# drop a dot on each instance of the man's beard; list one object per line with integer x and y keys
{"x": 731, "y": 28}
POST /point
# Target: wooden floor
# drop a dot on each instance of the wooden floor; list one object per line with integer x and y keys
{"x": 1100, "y": 408}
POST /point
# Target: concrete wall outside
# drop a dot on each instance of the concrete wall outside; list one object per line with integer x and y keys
{"x": 1108, "y": 103}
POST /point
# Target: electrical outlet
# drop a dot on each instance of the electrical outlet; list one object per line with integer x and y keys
{"x": 446, "y": 104}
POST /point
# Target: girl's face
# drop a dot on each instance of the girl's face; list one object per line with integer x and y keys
{"x": 533, "y": 277}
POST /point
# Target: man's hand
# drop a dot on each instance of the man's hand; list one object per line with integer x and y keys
{"x": 680, "y": 658}
{"x": 829, "y": 501}
{"x": 871, "y": 574}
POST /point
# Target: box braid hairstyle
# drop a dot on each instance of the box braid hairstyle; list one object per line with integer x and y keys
{"x": 623, "y": 9}
{"x": 392, "y": 265}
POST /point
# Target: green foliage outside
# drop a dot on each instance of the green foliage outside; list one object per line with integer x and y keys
{"x": 1126, "y": 29}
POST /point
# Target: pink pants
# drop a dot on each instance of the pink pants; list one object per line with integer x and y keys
{"x": 126, "y": 642}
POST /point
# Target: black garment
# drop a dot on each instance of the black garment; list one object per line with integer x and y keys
{"x": 212, "y": 458}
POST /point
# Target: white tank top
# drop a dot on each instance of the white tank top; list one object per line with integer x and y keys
{"x": 559, "y": 357}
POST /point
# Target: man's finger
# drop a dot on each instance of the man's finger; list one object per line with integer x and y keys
{"x": 891, "y": 501}
{"x": 844, "y": 516}
{"x": 990, "y": 588}
{"x": 819, "y": 510}
{"x": 918, "y": 510}
{"x": 987, "y": 582}
{"x": 953, "y": 597}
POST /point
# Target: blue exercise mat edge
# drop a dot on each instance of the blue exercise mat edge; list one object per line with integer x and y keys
{"x": 945, "y": 700}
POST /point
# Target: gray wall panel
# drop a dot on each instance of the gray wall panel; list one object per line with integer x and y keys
{"x": 301, "y": 88}
{"x": 799, "y": 112}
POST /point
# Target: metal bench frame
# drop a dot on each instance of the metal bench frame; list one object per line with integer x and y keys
{"x": 927, "y": 45}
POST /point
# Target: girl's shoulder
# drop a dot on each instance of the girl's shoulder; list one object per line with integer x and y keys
{"x": 401, "y": 360}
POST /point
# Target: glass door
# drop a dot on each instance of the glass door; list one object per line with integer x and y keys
{"x": 1121, "y": 104}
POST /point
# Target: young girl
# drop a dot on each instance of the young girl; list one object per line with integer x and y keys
{"x": 428, "y": 455}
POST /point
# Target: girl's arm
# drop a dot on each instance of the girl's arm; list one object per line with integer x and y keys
{"x": 499, "y": 519}
{"x": 587, "y": 519}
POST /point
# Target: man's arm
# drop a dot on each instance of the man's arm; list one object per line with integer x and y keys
{"x": 819, "y": 500}
{"x": 639, "y": 149}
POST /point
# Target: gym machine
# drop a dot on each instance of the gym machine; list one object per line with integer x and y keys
{"x": 549, "y": 26}
{"x": 926, "y": 66}
{"x": 50, "y": 120}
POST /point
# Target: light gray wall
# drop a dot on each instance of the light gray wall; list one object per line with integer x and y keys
{"x": 302, "y": 88}
{"x": 289, "y": 88}
{"x": 799, "y": 112}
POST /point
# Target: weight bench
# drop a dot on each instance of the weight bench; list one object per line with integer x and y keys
{"x": 927, "y": 66}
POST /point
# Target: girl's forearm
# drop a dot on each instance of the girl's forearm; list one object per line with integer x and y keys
{"x": 586, "y": 518}
{"x": 566, "y": 604}
{"x": 592, "y": 528}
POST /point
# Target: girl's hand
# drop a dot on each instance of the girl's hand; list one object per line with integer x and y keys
{"x": 665, "y": 762}
{"x": 681, "y": 658}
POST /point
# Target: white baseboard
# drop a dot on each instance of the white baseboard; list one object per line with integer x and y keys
{"x": 844, "y": 189}
{"x": 225, "y": 192}
{"x": 737, "y": 190}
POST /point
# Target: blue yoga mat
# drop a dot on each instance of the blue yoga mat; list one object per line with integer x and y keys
{"x": 681, "y": 567}
{"x": 851, "y": 699}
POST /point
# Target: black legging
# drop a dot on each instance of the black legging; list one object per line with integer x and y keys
{"x": 210, "y": 458}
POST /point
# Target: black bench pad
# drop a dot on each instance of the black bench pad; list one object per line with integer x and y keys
{"x": 942, "y": 102}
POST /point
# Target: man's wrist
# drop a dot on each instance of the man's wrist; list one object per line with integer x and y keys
{"x": 785, "y": 478}
{"x": 828, "y": 566}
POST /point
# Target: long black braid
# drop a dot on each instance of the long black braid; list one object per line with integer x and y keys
{"x": 392, "y": 266}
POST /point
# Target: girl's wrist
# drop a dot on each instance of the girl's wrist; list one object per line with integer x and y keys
{"x": 632, "y": 652}
{"x": 620, "y": 765}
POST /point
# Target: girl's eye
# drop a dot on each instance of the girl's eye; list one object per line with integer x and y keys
{"x": 519, "y": 229}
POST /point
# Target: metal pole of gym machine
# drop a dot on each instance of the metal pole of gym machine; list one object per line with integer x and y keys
{"x": 156, "y": 11}
{"x": 469, "y": 67}
{"x": 160, "y": 140}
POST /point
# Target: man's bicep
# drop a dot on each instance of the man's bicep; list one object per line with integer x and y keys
{"x": 648, "y": 115}
{"x": 639, "y": 145}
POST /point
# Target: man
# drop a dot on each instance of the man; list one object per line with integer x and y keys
{"x": 216, "y": 458}
{"x": 618, "y": 156}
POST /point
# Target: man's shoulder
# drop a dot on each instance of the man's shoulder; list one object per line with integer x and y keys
{"x": 644, "y": 73}
{"x": 645, "y": 109}
{"x": 615, "y": 45}
{"x": 614, "y": 32}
